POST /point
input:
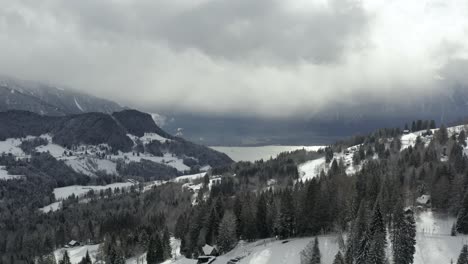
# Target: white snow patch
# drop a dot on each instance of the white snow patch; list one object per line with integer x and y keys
{"x": 77, "y": 253}
{"x": 11, "y": 145}
{"x": 89, "y": 166}
{"x": 55, "y": 150}
{"x": 158, "y": 119}
{"x": 167, "y": 159}
{"x": 257, "y": 153}
{"x": 51, "y": 207}
{"x": 79, "y": 190}
{"x": 5, "y": 176}
{"x": 423, "y": 199}
{"x": 190, "y": 177}
{"x": 78, "y": 105}
{"x": 312, "y": 169}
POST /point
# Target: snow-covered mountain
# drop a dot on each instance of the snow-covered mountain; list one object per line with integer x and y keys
{"x": 125, "y": 143}
{"x": 49, "y": 100}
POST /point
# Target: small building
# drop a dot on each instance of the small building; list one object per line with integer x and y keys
{"x": 406, "y": 132}
{"x": 209, "y": 250}
{"x": 73, "y": 243}
{"x": 424, "y": 199}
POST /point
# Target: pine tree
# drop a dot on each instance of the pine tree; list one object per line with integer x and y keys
{"x": 166, "y": 244}
{"x": 338, "y": 258}
{"x": 363, "y": 251}
{"x": 159, "y": 250}
{"x": 463, "y": 257}
{"x": 151, "y": 251}
{"x": 227, "y": 233}
{"x": 442, "y": 135}
{"x": 378, "y": 236}
{"x": 311, "y": 253}
{"x": 262, "y": 226}
{"x": 462, "y": 218}
{"x": 86, "y": 259}
{"x": 65, "y": 259}
{"x": 249, "y": 224}
{"x": 287, "y": 215}
{"x": 462, "y": 138}
{"x": 114, "y": 256}
{"x": 403, "y": 235}
{"x": 47, "y": 259}
{"x": 357, "y": 233}
{"x": 316, "y": 256}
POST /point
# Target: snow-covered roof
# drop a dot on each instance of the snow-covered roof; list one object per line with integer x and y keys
{"x": 207, "y": 249}
{"x": 423, "y": 199}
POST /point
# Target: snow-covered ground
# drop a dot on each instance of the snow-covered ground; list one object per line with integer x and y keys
{"x": 5, "y": 176}
{"x": 312, "y": 168}
{"x": 51, "y": 207}
{"x": 11, "y": 145}
{"x": 148, "y": 138}
{"x": 434, "y": 246}
{"x": 88, "y": 159}
{"x": 410, "y": 138}
{"x": 189, "y": 177}
{"x": 257, "y": 153}
{"x": 90, "y": 165}
{"x": 167, "y": 159}
{"x": 77, "y": 253}
{"x": 79, "y": 190}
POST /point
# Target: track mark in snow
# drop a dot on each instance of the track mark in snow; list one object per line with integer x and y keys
{"x": 78, "y": 105}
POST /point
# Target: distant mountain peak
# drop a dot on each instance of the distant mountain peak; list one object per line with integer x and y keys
{"x": 46, "y": 99}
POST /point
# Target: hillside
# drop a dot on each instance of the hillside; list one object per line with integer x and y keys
{"x": 404, "y": 191}
{"x": 125, "y": 143}
{"x": 49, "y": 100}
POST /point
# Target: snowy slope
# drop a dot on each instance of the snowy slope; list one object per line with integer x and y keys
{"x": 77, "y": 253}
{"x": 434, "y": 246}
{"x": 86, "y": 159}
{"x": 79, "y": 190}
{"x": 10, "y": 145}
{"x": 5, "y": 176}
{"x": 311, "y": 169}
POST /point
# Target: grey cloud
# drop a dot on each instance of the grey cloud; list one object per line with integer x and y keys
{"x": 260, "y": 31}
{"x": 251, "y": 57}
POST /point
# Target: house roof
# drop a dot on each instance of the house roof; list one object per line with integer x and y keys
{"x": 207, "y": 249}
{"x": 423, "y": 199}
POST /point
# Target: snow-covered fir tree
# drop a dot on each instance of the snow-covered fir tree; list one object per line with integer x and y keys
{"x": 227, "y": 233}
{"x": 311, "y": 253}
{"x": 463, "y": 257}
{"x": 403, "y": 235}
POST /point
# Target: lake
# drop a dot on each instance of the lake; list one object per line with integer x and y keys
{"x": 261, "y": 152}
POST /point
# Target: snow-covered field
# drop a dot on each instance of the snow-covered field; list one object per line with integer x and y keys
{"x": 77, "y": 253}
{"x": 5, "y": 176}
{"x": 10, "y": 145}
{"x": 167, "y": 159}
{"x": 88, "y": 159}
{"x": 79, "y": 190}
{"x": 312, "y": 168}
{"x": 434, "y": 246}
{"x": 257, "y": 153}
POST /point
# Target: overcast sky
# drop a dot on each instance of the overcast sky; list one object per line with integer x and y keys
{"x": 256, "y": 57}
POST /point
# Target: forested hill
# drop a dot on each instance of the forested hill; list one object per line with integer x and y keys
{"x": 46, "y": 99}
{"x": 384, "y": 191}
{"x": 114, "y": 130}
